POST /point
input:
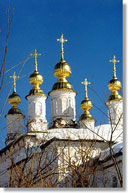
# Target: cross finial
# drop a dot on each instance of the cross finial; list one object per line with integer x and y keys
{"x": 86, "y": 83}
{"x": 62, "y": 40}
{"x": 14, "y": 80}
{"x": 35, "y": 54}
{"x": 114, "y": 61}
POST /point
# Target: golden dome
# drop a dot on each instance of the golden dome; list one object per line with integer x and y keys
{"x": 36, "y": 78}
{"x": 62, "y": 69}
{"x": 14, "y": 99}
{"x": 86, "y": 104}
{"x": 114, "y": 84}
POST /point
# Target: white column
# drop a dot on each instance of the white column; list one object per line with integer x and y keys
{"x": 115, "y": 112}
{"x": 14, "y": 126}
{"x": 37, "y": 113}
{"x": 115, "y": 115}
{"x": 87, "y": 124}
{"x": 63, "y": 104}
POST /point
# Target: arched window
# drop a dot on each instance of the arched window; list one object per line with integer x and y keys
{"x": 64, "y": 105}
{"x": 70, "y": 106}
{"x": 58, "y": 107}
{"x": 38, "y": 109}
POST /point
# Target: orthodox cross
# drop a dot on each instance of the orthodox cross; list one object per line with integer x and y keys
{"x": 62, "y": 40}
{"x": 14, "y": 80}
{"x": 114, "y": 61}
{"x": 86, "y": 83}
{"x": 35, "y": 54}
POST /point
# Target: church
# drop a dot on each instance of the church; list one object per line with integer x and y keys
{"x": 64, "y": 152}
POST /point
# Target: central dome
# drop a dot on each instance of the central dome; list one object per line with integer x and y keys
{"x": 62, "y": 69}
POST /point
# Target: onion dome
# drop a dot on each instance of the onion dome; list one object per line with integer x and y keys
{"x": 14, "y": 98}
{"x": 86, "y": 104}
{"x": 36, "y": 79}
{"x": 114, "y": 84}
{"x": 62, "y": 71}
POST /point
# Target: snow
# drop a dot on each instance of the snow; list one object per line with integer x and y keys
{"x": 102, "y": 133}
{"x": 116, "y": 149}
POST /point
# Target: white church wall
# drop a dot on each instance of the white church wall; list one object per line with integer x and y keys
{"x": 63, "y": 104}
{"x": 14, "y": 123}
{"x": 115, "y": 113}
{"x": 37, "y": 113}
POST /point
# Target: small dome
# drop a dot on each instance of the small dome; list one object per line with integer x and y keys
{"x": 114, "y": 84}
{"x": 86, "y": 104}
{"x": 36, "y": 78}
{"x": 62, "y": 69}
{"x": 14, "y": 110}
{"x": 14, "y": 99}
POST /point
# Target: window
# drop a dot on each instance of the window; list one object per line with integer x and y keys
{"x": 38, "y": 108}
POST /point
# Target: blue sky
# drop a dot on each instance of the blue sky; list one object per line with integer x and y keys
{"x": 94, "y": 32}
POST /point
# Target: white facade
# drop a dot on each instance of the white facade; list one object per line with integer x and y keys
{"x": 87, "y": 124}
{"x": 37, "y": 113}
{"x": 14, "y": 126}
{"x": 115, "y": 113}
{"x": 63, "y": 104}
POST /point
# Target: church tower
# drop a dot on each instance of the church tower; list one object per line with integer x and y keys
{"x": 37, "y": 102}
{"x": 115, "y": 101}
{"x": 62, "y": 94}
{"x": 86, "y": 119}
{"x": 14, "y": 116}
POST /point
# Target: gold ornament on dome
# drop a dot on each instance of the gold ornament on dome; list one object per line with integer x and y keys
{"x": 36, "y": 79}
{"x": 114, "y": 61}
{"x": 86, "y": 83}
{"x": 86, "y": 104}
{"x": 36, "y": 55}
{"x": 114, "y": 84}
{"x": 14, "y": 80}
{"x": 62, "y": 71}
{"x": 62, "y": 41}
{"x": 14, "y": 99}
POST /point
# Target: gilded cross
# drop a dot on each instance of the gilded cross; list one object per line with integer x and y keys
{"x": 62, "y": 40}
{"x": 14, "y": 80}
{"x": 35, "y": 54}
{"x": 114, "y": 61}
{"x": 86, "y": 83}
